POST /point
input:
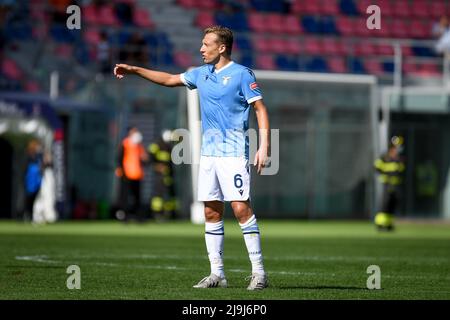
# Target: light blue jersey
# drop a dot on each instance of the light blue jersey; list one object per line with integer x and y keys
{"x": 225, "y": 98}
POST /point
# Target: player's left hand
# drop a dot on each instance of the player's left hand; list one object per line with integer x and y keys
{"x": 261, "y": 159}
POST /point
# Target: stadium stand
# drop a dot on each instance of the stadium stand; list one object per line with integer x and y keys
{"x": 318, "y": 36}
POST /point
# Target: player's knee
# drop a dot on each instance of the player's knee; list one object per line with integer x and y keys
{"x": 242, "y": 211}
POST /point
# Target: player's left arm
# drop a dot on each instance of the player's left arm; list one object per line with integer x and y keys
{"x": 262, "y": 118}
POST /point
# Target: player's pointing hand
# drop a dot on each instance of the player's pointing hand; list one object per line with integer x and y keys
{"x": 120, "y": 70}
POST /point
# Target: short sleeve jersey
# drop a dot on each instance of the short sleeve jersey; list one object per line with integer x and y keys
{"x": 225, "y": 97}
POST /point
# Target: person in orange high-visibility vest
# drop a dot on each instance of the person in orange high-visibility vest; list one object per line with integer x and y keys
{"x": 132, "y": 154}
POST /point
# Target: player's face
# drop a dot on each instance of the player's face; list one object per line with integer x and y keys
{"x": 211, "y": 48}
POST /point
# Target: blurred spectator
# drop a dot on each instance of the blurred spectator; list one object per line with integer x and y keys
{"x": 33, "y": 176}
{"x": 124, "y": 11}
{"x": 439, "y": 28}
{"x": 58, "y": 9}
{"x": 130, "y": 169}
{"x": 44, "y": 206}
{"x": 163, "y": 203}
{"x": 104, "y": 54}
{"x": 134, "y": 50}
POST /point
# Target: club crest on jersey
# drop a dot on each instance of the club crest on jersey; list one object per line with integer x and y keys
{"x": 253, "y": 85}
{"x": 225, "y": 80}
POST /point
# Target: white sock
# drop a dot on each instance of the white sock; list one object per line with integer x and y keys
{"x": 250, "y": 231}
{"x": 214, "y": 236}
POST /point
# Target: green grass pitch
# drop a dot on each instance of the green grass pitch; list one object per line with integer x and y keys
{"x": 161, "y": 261}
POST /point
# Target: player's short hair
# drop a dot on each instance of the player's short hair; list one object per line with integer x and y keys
{"x": 224, "y": 34}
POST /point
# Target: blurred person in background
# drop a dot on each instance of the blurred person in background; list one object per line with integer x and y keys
{"x": 390, "y": 167}
{"x": 33, "y": 176}
{"x": 163, "y": 202}
{"x": 130, "y": 170}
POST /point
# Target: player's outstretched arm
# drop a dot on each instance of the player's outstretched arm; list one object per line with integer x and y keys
{"x": 263, "y": 124}
{"x": 161, "y": 78}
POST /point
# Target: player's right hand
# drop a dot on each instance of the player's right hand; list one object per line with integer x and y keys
{"x": 121, "y": 69}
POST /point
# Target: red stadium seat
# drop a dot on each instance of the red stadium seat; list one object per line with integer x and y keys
{"x": 64, "y": 51}
{"x": 328, "y": 7}
{"x": 32, "y": 86}
{"x": 293, "y": 46}
{"x": 399, "y": 28}
{"x": 274, "y": 22}
{"x": 183, "y": 59}
{"x": 419, "y": 30}
{"x": 11, "y": 70}
{"x": 261, "y": 45}
{"x": 277, "y": 45}
{"x": 142, "y": 19}
{"x": 256, "y": 22}
{"x": 373, "y": 66}
{"x": 385, "y": 50}
{"x": 107, "y": 16}
{"x": 91, "y": 36}
{"x": 345, "y": 26}
{"x": 90, "y": 14}
{"x": 312, "y": 46}
{"x": 437, "y": 7}
{"x": 337, "y": 64}
{"x": 401, "y": 9}
{"x": 187, "y": 3}
{"x": 429, "y": 69}
{"x": 265, "y": 61}
{"x": 204, "y": 19}
{"x": 420, "y": 9}
{"x": 385, "y": 7}
{"x": 333, "y": 46}
{"x": 365, "y": 49}
{"x": 291, "y": 24}
{"x": 307, "y": 7}
{"x": 407, "y": 51}
{"x": 361, "y": 30}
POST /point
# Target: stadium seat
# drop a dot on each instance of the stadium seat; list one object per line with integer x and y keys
{"x": 274, "y": 22}
{"x": 292, "y": 46}
{"x": 187, "y": 3}
{"x": 311, "y": 24}
{"x": 64, "y": 51}
{"x": 306, "y": 7}
{"x": 286, "y": 63}
{"x": 361, "y": 30}
{"x": 399, "y": 28}
{"x": 419, "y": 30}
{"x": 183, "y": 59}
{"x": 333, "y": 46}
{"x": 317, "y": 64}
{"x": 32, "y": 86}
{"x": 384, "y": 50}
{"x": 365, "y": 49}
{"x": 436, "y": 8}
{"x": 107, "y": 16}
{"x": 348, "y": 7}
{"x": 90, "y": 14}
{"x": 246, "y": 60}
{"x": 11, "y": 70}
{"x": 401, "y": 9}
{"x": 327, "y": 25}
{"x": 345, "y": 26}
{"x": 204, "y": 19}
{"x": 312, "y": 46}
{"x": 356, "y": 66}
{"x": 261, "y": 45}
{"x": 389, "y": 67}
{"x": 141, "y": 18}
{"x": 373, "y": 66}
{"x": 277, "y": 45}
{"x": 242, "y": 43}
{"x": 91, "y": 36}
{"x": 256, "y": 22}
{"x": 328, "y": 7}
{"x": 337, "y": 64}
{"x": 291, "y": 25}
{"x": 420, "y": 9}
{"x": 265, "y": 61}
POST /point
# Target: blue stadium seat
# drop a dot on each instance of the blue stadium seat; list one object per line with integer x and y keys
{"x": 388, "y": 67}
{"x": 317, "y": 64}
{"x": 247, "y": 60}
{"x": 423, "y": 51}
{"x": 328, "y": 25}
{"x": 286, "y": 63}
{"x": 356, "y": 66}
{"x": 310, "y": 24}
{"x": 348, "y": 7}
{"x": 61, "y": 34}
{"x": 243, "y": 43}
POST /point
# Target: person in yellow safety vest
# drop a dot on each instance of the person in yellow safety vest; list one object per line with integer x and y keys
{"x": 163, "y": 203}
{"x": 390, "y": 167}
{"x": 130, "y": 169}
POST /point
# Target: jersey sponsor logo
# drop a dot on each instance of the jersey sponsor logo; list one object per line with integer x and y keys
{"x": 253, "y": 85}
{"x": 225, "y": 80}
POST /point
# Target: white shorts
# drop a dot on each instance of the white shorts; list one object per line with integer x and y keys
{"x": 223, "y": 179}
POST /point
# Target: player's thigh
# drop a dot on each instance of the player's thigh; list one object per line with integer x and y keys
{"x": 234, "y": 178}
{"x": 208, "y": 183}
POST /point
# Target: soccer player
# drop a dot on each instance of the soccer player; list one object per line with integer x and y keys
{"x": 227, "y": 91}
